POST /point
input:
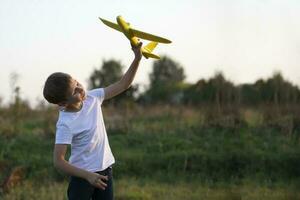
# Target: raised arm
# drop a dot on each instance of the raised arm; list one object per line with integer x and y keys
{"x": 125, "y": 82}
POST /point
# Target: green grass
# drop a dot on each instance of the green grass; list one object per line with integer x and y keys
{"x": 166, "y": 155}
{"x": 141, "y": 189}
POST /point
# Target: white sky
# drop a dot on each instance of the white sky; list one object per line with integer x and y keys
{"x": 245, "y": 39}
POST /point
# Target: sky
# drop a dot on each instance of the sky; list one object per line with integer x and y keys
{"x": 245, "y": 39}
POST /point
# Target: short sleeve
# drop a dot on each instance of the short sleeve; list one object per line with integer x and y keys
{"x": 99, "y": 93}
{"x": 63, "y": 134}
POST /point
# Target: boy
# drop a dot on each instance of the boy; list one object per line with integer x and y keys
{"x": 81, "y": 124}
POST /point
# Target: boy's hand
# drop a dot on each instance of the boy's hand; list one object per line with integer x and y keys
{"x": 137, "y": 51}
{"x": 97, "y": 180}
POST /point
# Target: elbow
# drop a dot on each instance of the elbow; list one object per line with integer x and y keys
{"x": 57, "y": 163}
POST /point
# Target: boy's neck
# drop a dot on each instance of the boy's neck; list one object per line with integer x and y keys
{"x": 73, "y": 107}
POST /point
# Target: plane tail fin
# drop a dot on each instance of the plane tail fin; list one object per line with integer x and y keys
{"x": 147, "y": 50}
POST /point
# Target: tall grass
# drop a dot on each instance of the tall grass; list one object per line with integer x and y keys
{"x": 165, "y": 152}
{"x": 133, "y": 189}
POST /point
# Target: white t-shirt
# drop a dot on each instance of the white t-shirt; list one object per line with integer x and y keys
{"x": 85, "y": 131}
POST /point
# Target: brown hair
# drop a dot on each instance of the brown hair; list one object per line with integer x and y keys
{"x": 56, "y": 87}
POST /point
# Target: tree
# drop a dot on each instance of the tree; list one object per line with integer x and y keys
{"x": 166, "y": 71}
{"x": 274, "y": 90}
{"x": 166, "y": 82}
{"x": 215, "y": 90}
{"x": 279, "y": 91}
{"x": 249, "y": 94}
{"x": 109, "y": 73}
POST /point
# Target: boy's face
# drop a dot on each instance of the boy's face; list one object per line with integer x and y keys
{"x": 76, "y": 93}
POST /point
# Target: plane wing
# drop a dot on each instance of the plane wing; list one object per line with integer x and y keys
{"x": 148, "y": 36}
{"x": 111, "y": 24}
{"x": 137, "y": 33}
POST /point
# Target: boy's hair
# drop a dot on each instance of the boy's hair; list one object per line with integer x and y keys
{"x": 56, "y": 87}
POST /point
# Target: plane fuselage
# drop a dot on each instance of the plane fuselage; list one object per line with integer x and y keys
{"x": 126, "y": 30}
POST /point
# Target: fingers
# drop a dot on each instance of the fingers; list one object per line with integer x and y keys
{"x": 139, "y": 45}
{"x": 99, "y": 183}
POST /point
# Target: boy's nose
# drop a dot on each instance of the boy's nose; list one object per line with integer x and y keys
{"x": 79, "y": 89}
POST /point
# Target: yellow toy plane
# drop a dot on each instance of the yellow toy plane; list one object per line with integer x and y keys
{"x": 133, "y": 35}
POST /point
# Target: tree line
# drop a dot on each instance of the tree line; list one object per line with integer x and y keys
{"x": 168, "y": 86}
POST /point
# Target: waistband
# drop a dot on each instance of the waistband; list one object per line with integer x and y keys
{"x": 106, "y": 171}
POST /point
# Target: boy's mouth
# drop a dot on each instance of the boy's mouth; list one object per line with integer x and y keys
{"x": 83, "y": 96}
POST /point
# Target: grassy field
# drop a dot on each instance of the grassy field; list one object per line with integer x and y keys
{"x": 133, "y": 189}
{"x": 166, "y": 153}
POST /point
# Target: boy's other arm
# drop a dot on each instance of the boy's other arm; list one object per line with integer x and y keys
{"x": 126, "y": 80}
{"x": 61, "y": 164}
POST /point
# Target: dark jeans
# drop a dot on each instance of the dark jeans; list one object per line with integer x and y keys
{"x": 81, "y": 189}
